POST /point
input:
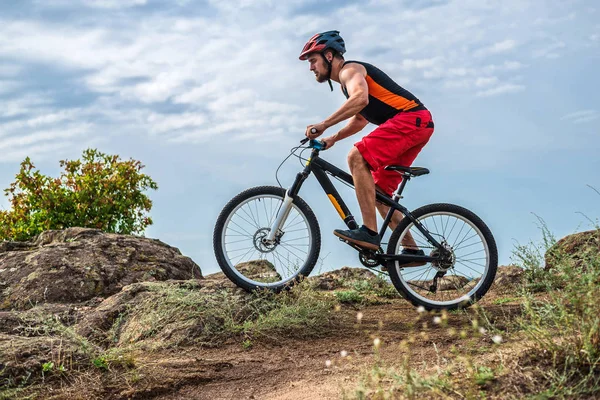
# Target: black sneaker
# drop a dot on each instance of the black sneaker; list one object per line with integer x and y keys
{"x": 359, "y": 237}
{"x": 416, "y": 252}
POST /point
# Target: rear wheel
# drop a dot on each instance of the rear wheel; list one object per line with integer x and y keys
{"x": 244, "y": 254}
{"x": 460, "y": 278}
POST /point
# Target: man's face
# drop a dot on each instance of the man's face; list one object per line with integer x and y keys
{"x": 318, "y": 67}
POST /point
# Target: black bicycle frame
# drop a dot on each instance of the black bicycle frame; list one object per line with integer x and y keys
{"x": 320, "y": 168}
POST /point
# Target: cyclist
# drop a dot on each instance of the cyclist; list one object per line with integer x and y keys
{"x": 404, "y": 127}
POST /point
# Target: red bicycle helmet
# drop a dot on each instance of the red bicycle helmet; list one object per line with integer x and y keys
{"x": 323, "y": 41}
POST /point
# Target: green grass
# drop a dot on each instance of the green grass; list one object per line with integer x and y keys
{"x": 557, "y": 334}
{"x": 349, "y": 297}
{"x": 504, "y": 300}
{"x": 171, "y": 316}
{"x": 565, "y": 326}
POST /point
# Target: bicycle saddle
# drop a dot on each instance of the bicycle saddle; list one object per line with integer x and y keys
{"x": 414, "y": 171}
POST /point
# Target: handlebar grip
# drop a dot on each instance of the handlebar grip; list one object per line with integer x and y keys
{"x": 312, "y": 130}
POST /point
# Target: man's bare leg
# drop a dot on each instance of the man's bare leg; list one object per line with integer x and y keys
{"x": 407, "y": 241}
{"x": 365, "y": 188}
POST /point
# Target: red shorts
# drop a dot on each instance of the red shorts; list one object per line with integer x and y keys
{"x": 395, "y": 142}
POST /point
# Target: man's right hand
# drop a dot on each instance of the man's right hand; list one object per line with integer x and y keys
{"x": 329, "y": 141}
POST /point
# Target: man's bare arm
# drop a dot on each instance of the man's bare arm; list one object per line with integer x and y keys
{"x": 358, "y": 92}
{"x": 356, "y": 124}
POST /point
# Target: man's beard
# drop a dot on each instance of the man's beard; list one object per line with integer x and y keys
{"x": 321, "y": 78}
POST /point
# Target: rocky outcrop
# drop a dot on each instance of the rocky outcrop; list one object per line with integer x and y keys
{"x": 508, "y": 279}
{"x": 342, "y": 278}
{"x": 78, "y": 264}
{"x": 579, "y": 248}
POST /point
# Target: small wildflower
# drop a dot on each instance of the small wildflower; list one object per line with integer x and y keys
{"x": 359, "y": 316}
{"x": 376, "y": 343}
{"x": 463, "y": 334}
{"x": 497, "y": 339}
{"x": 437, "y": 320}
{"x": 328, "y": 363}
{"x": 420, "y": 309}
{"x": 343, "y": 353}
{"x": 482, "y": 330}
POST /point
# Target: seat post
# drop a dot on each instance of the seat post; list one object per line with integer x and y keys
{"x": 398, "y": 194}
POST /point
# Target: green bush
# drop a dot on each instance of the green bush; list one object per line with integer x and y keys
{"x": 99, "y": 191}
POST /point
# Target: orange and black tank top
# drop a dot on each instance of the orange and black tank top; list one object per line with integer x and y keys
{"x": 386, "y": 97}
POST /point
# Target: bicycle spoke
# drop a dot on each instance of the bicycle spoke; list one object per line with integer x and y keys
{"x": 237, "y": 241}
{"x": 250, "y": 214}
{"x": 469, "y": 245}
{"x": 248, "y": 222}
{"x": 474, "y": 252}
{"x": 291, "y": 251}
{"x": 291, "y": 240}
{"x": 465, "y": 265}
{"x": 247, "y": 233}
{"x": 460, "y": 273}
{"x": 294, "y": 247}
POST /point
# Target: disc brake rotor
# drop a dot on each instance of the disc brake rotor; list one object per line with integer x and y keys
{"x": 260, "y": 242}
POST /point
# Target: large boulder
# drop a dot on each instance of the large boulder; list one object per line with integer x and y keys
{"x": 78, "y": 264}
{"x": 580, "y": 248}
{"x": 343, "y": 278}
{"x": 508, "y": 279}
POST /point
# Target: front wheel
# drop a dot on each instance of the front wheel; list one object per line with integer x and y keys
{"x": 466, "y": 270}
{"x": 251, "y": 261}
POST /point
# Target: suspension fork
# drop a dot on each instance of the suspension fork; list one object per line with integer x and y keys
{"x": 290, "y": 194}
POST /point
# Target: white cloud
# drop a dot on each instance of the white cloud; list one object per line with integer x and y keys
{"x": 550, "y": 51}
{"x": 501, "y": 89}
{"x": 23, "y": 105}
{"x": 237, "y": 72}
{"x": 7, "y": 145}
{"x": 583, "y": 116}
{"x": 497, "y": 48}
{"x": 555, "y": 20}
{"x": 109, "y": 4}
{"x": 160, "y": 123}
{"x": 486, "y": 81}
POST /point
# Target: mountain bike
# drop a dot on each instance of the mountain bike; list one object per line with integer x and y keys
{"x": 267, "y": 237}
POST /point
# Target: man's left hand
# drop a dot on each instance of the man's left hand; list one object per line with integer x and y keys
{"x": 320, "y": 128}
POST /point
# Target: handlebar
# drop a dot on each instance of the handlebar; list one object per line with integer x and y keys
{"x": 312, "y": 130}
{"x": 315, "y": 144}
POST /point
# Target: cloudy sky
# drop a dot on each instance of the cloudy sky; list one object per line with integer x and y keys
{"x": 210, "y": 96}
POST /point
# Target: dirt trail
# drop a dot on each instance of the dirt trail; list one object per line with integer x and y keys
{"x": 297, "y": 369}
